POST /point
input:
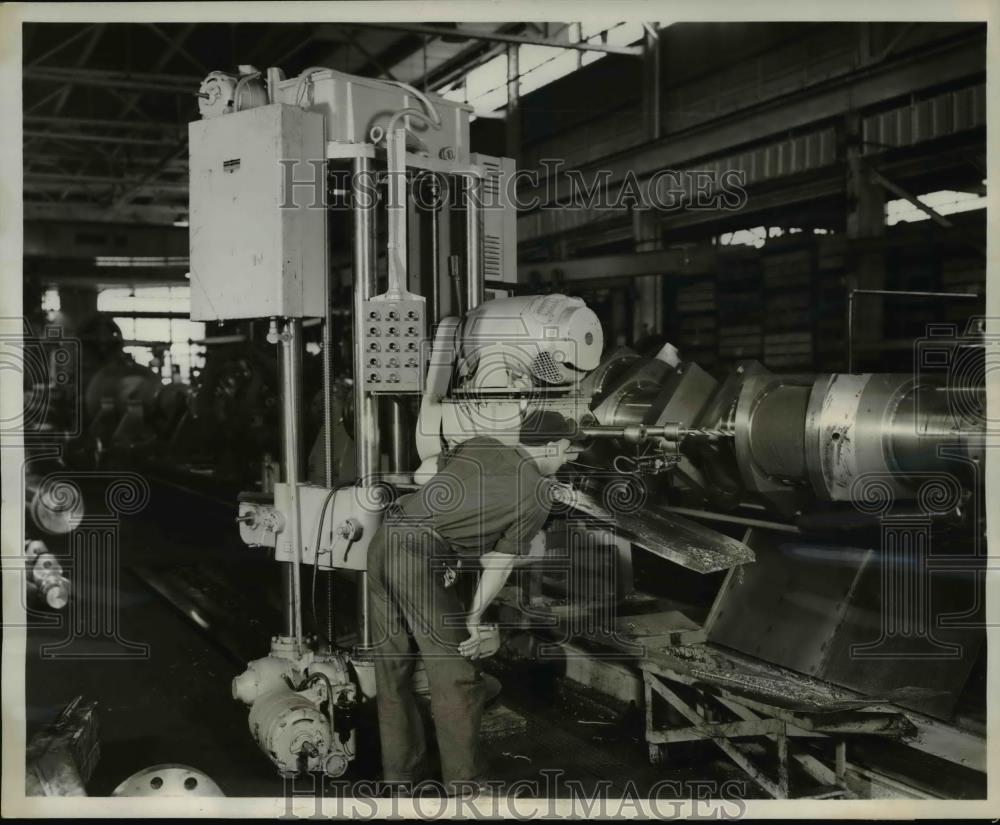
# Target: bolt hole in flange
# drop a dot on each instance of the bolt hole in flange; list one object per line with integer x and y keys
{"x": 168, "y": 780}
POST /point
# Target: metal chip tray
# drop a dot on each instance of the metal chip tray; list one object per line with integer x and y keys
{"x": 664, "y": 534}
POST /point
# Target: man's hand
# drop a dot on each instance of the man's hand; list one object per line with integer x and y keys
{"x": 483, "y": 641}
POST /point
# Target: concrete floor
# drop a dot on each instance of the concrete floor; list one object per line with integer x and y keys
{"x": 174, "y": 705}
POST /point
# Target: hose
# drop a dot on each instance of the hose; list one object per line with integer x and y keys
{"x": 240, "y": 85}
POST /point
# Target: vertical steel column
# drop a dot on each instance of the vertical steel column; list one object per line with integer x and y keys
{"x": 365, "y": 410}
{"x": 291, "y": 394}
{"x": 327, "y": 371}
{"x": 473, "y": 244}
{"x": 435, "y": 302}
{"x": 366, "y": 434}
{"x": 398, "y": 436}
{"x": 327, "y": 408}
{"x": 651, "y": 81}
{"x": 865, "y": 219}
{"x": 513, "y": 119}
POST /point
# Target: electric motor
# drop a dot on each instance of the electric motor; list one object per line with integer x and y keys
{"x": 291, "y": 729}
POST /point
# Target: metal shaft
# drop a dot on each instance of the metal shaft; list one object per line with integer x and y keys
{"x": 365, "y": 411}
{"x": 291, "y": 393}
{"x": 473, "y": 245}
{"x": 327, "y": 383}
{"x": 398, "y": 436}
{"x": 366, "y": 435}
{"x": 640, "y": 432}
{"x": 435, "y": 263}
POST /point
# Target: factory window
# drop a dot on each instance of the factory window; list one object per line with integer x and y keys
{"x": 485, "y": 87}
{"x": 745, "y": 237}
{"x": 944, "y": 202}
{"x": 164, "y": 343}
{"x": 540, "y": 65}
{"x": 141, "y": 260}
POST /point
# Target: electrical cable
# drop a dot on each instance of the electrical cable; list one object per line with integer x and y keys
{"x": 431, "y": 108}
{"x": 315, "y": 571}
{"x": 303, "y": 77}
{"x": 329, "y": 693}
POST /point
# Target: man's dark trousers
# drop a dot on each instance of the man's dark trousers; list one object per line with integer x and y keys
{"x": 408, "y": 599}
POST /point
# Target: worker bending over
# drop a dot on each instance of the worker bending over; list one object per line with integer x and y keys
{"x": 487, "y": 500}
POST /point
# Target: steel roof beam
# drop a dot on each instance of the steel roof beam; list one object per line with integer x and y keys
{"x": 81, "y": 60}
{"x": 85, "y": 138}
{"x": 104, "y": 123}
{"x": 151, "y": 213}
{"x": 135, "y": 81}
{"x": 175, "y": 45}
{"x": 151, "y": 179}
{"x": 42, "y": 179}
{"x": 495, "y": 37}
{"x": 55, "y": 50}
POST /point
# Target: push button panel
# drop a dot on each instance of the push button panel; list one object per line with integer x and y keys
{"x": 393, "y": 341}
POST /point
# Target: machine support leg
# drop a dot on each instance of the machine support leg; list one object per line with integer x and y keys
{"x": 782, "y": 738}
{"x": 291, "y": 393}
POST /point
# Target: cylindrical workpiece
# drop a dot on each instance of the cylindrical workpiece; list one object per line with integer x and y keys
{"x": 777, "y": 431}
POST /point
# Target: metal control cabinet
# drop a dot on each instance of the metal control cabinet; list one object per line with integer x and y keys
{"x": 257, "y": 251}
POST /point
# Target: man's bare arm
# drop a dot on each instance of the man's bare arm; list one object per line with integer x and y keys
{"x": 496, "y": 571}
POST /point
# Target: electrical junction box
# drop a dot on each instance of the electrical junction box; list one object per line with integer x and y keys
{"x": 258, "y": 245}
{"x": 353, "y": 105}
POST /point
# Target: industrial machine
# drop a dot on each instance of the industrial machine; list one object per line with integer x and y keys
{"x": 676, "y": 461}
{"x": 260, "y": 160}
